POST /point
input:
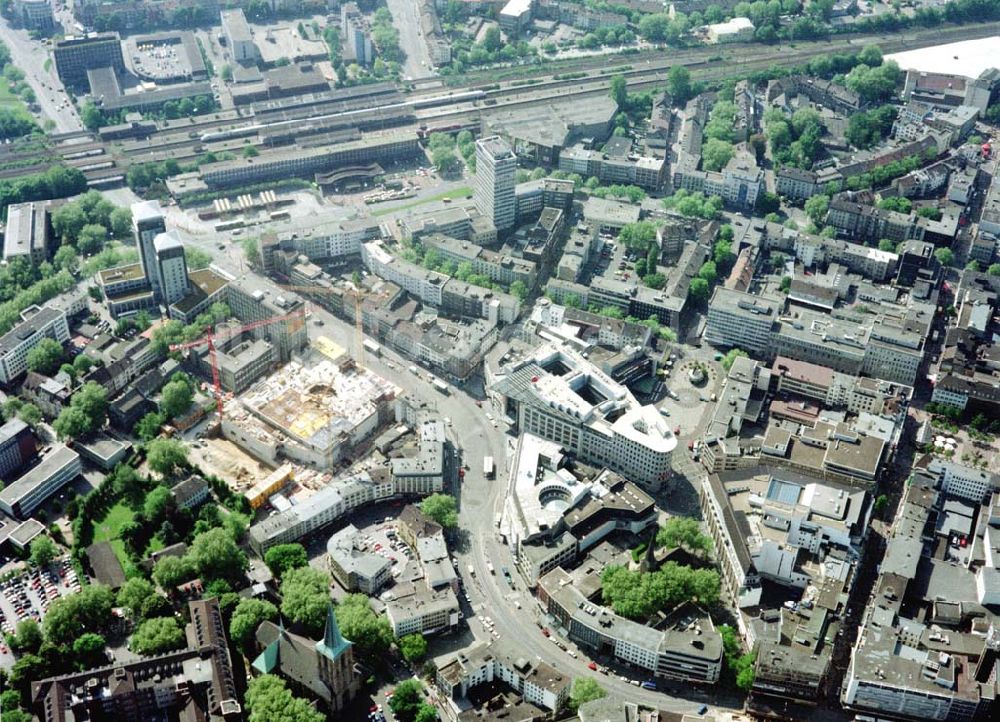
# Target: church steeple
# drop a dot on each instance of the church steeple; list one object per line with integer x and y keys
{"x": 333, "y": 643}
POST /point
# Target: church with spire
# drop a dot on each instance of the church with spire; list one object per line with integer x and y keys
{"x": 324, "y": 670}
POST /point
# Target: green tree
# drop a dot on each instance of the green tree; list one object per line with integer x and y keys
{"x": 149, "y": 426}
{"x": 216, "y": 555}
{"x": 91, "y": 239}
{"x": 133, "y": 594}
{"x": 708, "y": 271}
{"x": 30, "y": 414}
{"x": 519, "y": 290}
{"x": 305, "y": 595}
{"x": 176, "y": 397}
{"x": 43, "y": 551}
{"x": 445, "y": 161}
{"x": 715, "y": 154}
{"x": 91, "y": 116}
{"x": 166, "y": 455}
{"x": 945, "y": 256}
{"x": 679, "y": 84}
{"x": 28, "y": 636}
{"x": 196, "y": 258}
{"x": 359, "y": 623}
{"x": 155, "y": 505}
{"x": 881, "y": 502}
{"x": 584, "y": 689}
{"x": 619, "y": 91}
{"x": 972, "y": 265}
{"x": 441, "y": 508}
{"x": 121, "y": 222}
{"x": 699, "y": 290}
{"x": 88, "y": 610}
{"x": 45, "y": 357}
{"x": 89, "y": 650}
{"x": 283, "y": 557}
{"x": 994, "y": 269}
{"x": 407, "y": 698}
{"x": 66, "y": 259}
{"x": 426, "y": 713}
{"x": 731, "y": 355}
{"x": 679, "y": 531}
{"x": 170, "y": 572}
{"x": 816, "y": 208}
{"x": 413, "y": 647}
{"x": 247, "y": 616}
{"x": 86, "y": 413}
{"x": 655, "y": 280}
{"x": 268, "y": 699}
{"x": 157, "y": 635}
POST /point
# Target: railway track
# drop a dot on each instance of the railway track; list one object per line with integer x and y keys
{"x": 642, "y": 71}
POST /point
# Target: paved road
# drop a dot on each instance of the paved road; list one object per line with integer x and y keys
{"x": 30, "y": 56}
{"x": 406, "y": 18}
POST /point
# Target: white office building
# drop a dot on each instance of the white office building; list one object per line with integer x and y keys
{"x": 36, "y": 324}
{"x": 558, "y": 395}
{"x": 496, "y": 167}
{"x": 740, "y": 320}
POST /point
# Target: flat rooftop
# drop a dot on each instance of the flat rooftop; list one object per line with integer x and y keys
{"x": 967, "y": 58}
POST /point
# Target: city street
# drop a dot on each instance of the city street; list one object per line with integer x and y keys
{"x": 406, "y": 18}
{"x": 31, "y": 56}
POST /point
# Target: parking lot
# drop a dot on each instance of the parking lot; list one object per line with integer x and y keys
{"x": 29, "y": 595}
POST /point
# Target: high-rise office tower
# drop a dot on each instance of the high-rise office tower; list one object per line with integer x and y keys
{"x": 147, "y": 224}
{"x": 496, "y": 167}
{"x": 171, "y": 267}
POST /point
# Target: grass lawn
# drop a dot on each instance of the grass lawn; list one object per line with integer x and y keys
{"x": 110, "y": 526}
{"x": 7, "y": 98}
{"x": 455, "y": 194}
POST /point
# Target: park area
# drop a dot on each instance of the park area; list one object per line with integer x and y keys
{"x": 109, "y": 529}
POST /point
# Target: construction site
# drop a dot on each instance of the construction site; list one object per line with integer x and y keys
{"x": 318, "y": 410}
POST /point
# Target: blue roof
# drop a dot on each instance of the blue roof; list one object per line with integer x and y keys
{"x": 783, "y": 492}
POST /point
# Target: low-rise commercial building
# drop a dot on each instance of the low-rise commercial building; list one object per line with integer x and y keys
{"x": 423, "y": 611}
{"x": 678, "y": 650}
{"x": 56, "y": 468}
{"x": 346, "y": 494}
{"x": 537, "y": 682}
{"x": 355, "y": 567}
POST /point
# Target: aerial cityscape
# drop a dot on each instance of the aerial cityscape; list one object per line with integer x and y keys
{"x": 499, "y": 360}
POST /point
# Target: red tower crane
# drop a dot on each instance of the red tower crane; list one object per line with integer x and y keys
{"x": 209, "y": 340}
